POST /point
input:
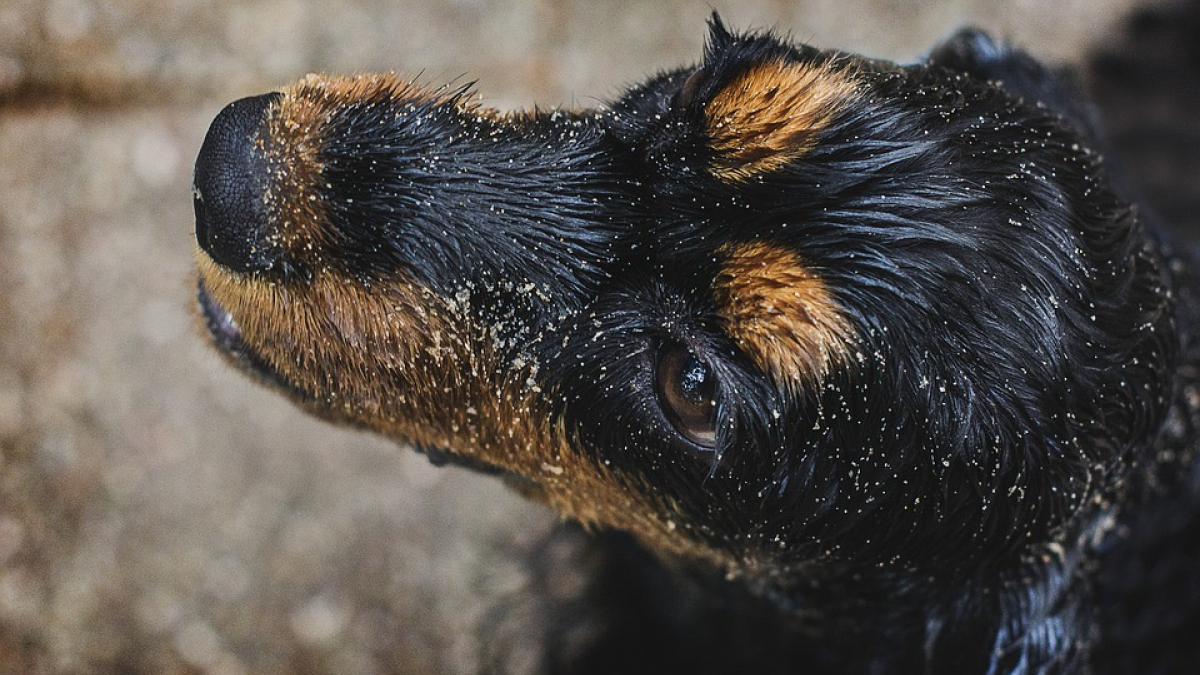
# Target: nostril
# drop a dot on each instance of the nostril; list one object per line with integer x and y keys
{"x": 230, "y": 185}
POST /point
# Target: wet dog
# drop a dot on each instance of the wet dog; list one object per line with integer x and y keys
{"x": 878, "y": 355}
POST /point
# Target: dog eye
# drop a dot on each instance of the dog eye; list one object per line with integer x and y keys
{"x": 687, "y": 391}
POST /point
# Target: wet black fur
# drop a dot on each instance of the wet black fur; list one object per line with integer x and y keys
{"x": 1018, "y": 349}
{"x": 969, "y": 234}
{"x": 1003, "y": 478}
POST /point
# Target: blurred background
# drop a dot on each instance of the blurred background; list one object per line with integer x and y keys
{"x": 161, "y": 514}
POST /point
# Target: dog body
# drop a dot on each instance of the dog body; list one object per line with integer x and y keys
{"x": 876, "y": 360}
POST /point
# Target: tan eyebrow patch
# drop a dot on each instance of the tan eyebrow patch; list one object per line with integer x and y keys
{"x": 770, "y": 115}
{"x": 781, "y": 314}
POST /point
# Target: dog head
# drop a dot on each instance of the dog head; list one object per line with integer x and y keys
{"x": 783, "y": 309}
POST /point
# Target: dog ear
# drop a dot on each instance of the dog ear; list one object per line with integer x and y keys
{"x": 982, "y": 57}
{"x": 973, "y": 52}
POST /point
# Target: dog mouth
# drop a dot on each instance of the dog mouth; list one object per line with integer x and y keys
{"x": 227, "y": 335}
{"x": 220, "y": 323}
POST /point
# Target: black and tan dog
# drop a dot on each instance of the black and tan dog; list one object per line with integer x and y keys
{"x": 876, "y": 352}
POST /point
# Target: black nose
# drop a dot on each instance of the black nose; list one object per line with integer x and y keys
{"x": 230, "y": 186}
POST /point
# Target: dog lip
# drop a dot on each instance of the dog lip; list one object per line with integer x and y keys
{"x": 219, "y": 321}
{"x": 227, "y": 335}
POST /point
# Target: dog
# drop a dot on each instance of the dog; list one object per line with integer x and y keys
{"x": 853, "y": 367}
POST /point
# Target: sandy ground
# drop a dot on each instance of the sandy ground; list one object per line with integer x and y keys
{"x": 158, "y": 513}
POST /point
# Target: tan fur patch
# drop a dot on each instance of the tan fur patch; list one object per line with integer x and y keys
{"x": 294, "y": 137}
{"x": 402, "y": 361}
{"x": 781, "y": 314}
{"x": 770, "y": 115}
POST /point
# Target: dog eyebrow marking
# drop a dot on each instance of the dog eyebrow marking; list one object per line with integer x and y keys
{"x": 771, "y": 114}
{"x": 781, "y": 314}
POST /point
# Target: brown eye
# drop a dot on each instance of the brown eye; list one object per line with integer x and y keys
{"x": 687, "y": 392}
